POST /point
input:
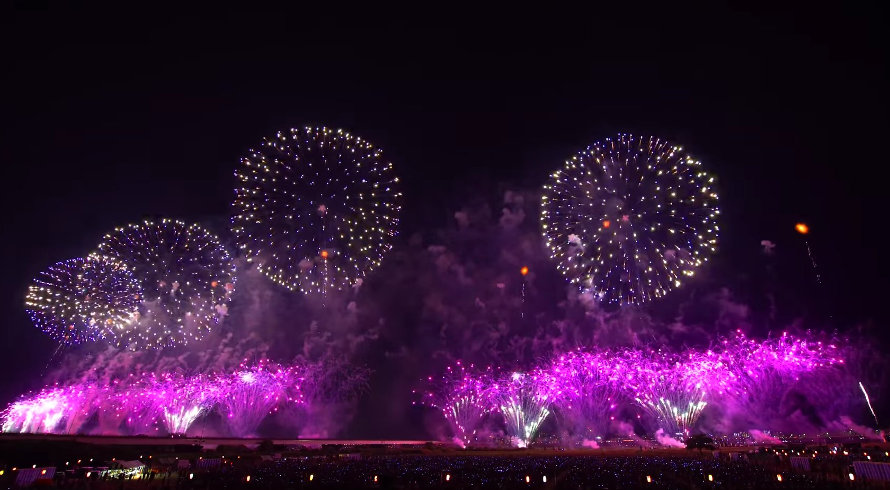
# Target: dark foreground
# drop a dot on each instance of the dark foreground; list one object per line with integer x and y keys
{"x": 188, "y": 466}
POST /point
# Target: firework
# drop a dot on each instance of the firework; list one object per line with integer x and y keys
{"x": 143, "y": 406}
{"x": 40, "y": 413}
{"x": 322, "y": 395}
{"x": 804, "y": 230}
{"x": 187, "y": 279}
{"x": 315, "y": 393}
{"x": 55, "y": 409}
{"x": 629, "y": 218}
{"x": 248, "y": 395}
{"x": 868, "y": 401}
{"x": 462, "y": 396}
{"x": 183, "y": 399}
{"x": 589, "y": 387}
{"x": 83, "y": 299}
{"x": 524, "y": 400}
{"x": 316, "y": 208}
{"x": 81, "y": 402}
{"x": 764, "y": 371}
{"x": 113, "y": 408}
{"x": 674, "y": 388}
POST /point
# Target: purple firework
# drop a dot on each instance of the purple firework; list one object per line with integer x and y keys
{"x": 765, "y": 370}
{"x": 56, "y": 409}
{"x": 83, "y": 299}
{"x": 143, "y": 405}
{"x": 183, "y": 399}
{"x": 589, "y": 387}
{"x": 248, "y": 395}
{"x": 39, "y": 413}
{"x": 112, "y": 408}
{"x": 462, "y": 396}
{"x": 81, "y": 402}
{"x": 524, "y": 400}
{"x": 322, "y": 395}
{"x": 673, "y": 388}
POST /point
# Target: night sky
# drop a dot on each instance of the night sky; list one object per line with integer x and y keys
{"x": 113, "y": 116}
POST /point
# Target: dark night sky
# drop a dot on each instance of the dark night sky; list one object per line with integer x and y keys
{"x": 113, "y": 116}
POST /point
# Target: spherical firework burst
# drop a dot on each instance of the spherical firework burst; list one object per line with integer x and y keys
{"x": 187, "y": 279}
{"x": 628, "y": 216}
{"x": 83, "y": 299}
{"x": 316, "y": 208}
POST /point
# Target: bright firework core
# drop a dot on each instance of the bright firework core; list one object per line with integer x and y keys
{"x": 628, "y": 218}
{"x": 317, "y": 208}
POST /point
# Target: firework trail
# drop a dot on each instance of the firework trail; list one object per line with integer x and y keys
{"x": 804, "y": 230}
{"x": 868, "y": 401}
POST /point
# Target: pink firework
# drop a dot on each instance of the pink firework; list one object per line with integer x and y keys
{"x": 675, "y": 388}
{"x": 321, "y": 398}
{"x": 248, "y": 395}
{"x": 40, "y": 413}
{"x": 462, "y": 396}
{"x": 183, "y": 399}
{"x": 524, "y": 400}
{"x": 589, "y": 388}
{"x": 112, "y": 411}
{"x": 81, "y": 402}
{"x": 765, "y": 370}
